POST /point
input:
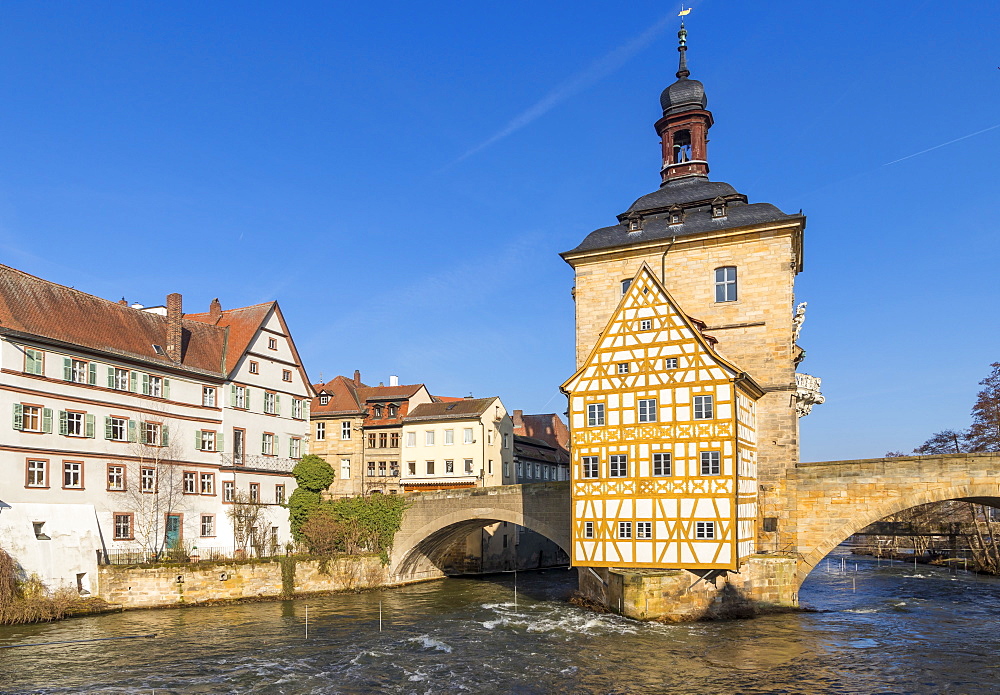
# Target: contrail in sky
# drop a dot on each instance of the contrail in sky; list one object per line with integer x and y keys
{"x": 599, "y": 69}
{"x": 943, "y": 144}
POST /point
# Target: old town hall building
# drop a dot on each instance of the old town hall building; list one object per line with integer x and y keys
{"x": 686, "y": 398}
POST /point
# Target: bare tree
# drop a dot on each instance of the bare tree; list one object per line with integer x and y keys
{"x": 947, "y": 442}
{"x": 985, "y": 430}
{"x": 249, "y": 518}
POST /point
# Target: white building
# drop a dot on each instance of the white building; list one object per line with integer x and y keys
{"x": 457, "y": 443}
{"x": 137, "y": 428}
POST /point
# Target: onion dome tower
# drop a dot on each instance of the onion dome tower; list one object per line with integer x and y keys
{"x": 683, "y": 130}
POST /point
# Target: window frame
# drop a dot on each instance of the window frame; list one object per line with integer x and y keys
{"x": 590, "y": 467}
{"x": 345, "y": 429}
{"x": 320, "y": 431}
{"x": 211, "y": 525}
{"x": 122, "y": 471}
{"x": 189, "y": 482}
{"x": 209, "y": 396}
{"x": 79, "y": 475}
{"x": 279, "y": 493}
{"x": 670, "y": 362}
{"x": 703, "y": 407}
{"x": 624, "y": 368}
{"x": 704, "y": 531}
{"x": 650, "y": 410}
{"x": 726, "y": 287}
{"x": 267, "y": 444}
{"x": 144, "y": 478}
{"x": 644, "y": 530}
{"x": 209, "y": 489}
{"x": 588, "y": 529}
{"x": 44, "y": 469}
{"x": 228, "y": 491}
{"x": 712, "y": 460}
{"x": 658, "y": 464}
{"x": 618, "y": 468}
{"x": 254, "y": 367}
{"x": 130, "y": 516}
{"x": 596, "y": 415}
{"x": 625, "y": 530}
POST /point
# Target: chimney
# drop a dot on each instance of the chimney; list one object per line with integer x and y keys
{"x": 357, "y": 377}
{"x": 174, "y": 332}
{"x": 393, "y": 380}
{"x": 518, "y": 418}
{"x": 123, "y": 302}
{"x": 215, "y": 310}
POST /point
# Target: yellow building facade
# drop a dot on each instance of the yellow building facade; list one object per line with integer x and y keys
{"x": 663, "y": 443}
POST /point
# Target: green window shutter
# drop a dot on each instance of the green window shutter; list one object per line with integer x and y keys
{"x": 131, "y": 431}
{"x": 63, "y": 423}
{"x": 18, "y": 416}
{"x": 133, "y": 384}
{"x": 47, "y": 420}
{"x": 197, "y": 440}
{"x": 145, "y": 385}
{"x": 232, "y": 395}
{"x": 107, "y": 427}
{"x": 142, "y": 433}
{"x": 89, "y": 424}
{"x": 247, "y": 399}
{"x": 263, "y": 442}
{"x": 305, "y": 408}
{"x": 67, "y": 369}
{"x": 277, "y": 404}
{"x": 291, "y": 451}
{"x": 166, "y": 388}
{"x": 164, "y": 436}
{"x": 111, "y": 377}
{"x": 219, "y": 442}
{"x": 92, "y": 380}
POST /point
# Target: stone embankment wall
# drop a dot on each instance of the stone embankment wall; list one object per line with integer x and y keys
{"x": 149, "y": 587}
{"x": 764, "y": 583}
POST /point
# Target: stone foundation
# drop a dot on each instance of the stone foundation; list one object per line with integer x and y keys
{"x": 764, "y": 583}
{"x": 150, "y": 587}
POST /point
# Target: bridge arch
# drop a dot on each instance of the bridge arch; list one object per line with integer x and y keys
{"x": 818, "y": 536}
{"x": 435, "y": 521}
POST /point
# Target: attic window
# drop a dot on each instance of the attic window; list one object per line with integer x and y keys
{"x": 272, "y": 343}
{"x": 676, "y": 215}
{"x": 719, "y": 207}
{"x": 635, "y": 223}
{"x": 158, "y": 350}
{"x": 391, "y": 410}
{"x": 323, "y": 400}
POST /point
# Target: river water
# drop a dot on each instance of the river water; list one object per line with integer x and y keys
{"x": 875, "y": 630}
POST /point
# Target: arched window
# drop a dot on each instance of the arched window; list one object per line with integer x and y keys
{"x": 725, "y": 284}
{"x": 682, "y": 146}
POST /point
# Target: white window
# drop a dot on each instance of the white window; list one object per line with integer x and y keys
{"x": 123, "y": 527}
{"x": 272, "y": 343}
{"x": 207, "y": 525}
{"x": 710, "y": 462}
{"x": 190, "y": 483}
{"x": 411, "y": 467}
{"x": 116, "y": 477}
{"x": 120, "y": 379}
{"x": 207, "y": 440}
{"x": 31, "y": 417}
{"x": 78, "y": 371}
{"x": 240, "y": 399}
{"x": 624, "y": 529}
{"x": 75, "y": 424}
{"x": 254, "y": 367}
{"x": 468, "y": 466}
{"x": 703, "y": 408}
{"x": 618, "y": 466}
{"x": 670, "y": 363}
{"x": 208, "y": 396}
{"x": 279, "y": 494}
{"x": 269, "y": 402}
{"x": 72, "y": 474}
{"x": 429, "y": 438}
{"x": 228, "y": 490}
{"x": 661, "y": 464}
{"x": 645, "y": 325}
{"x": 588, "y": 529}
{"x": 623, "y": 367}
{"x": 324, "y": 399}
{"x": 320, "y": 431}
{"x": 147, "y": 479}
{"x": 644, "y": 529}
{"x": 156, "y": 386}
{"x": 449, "y": 466}
{"x": 725, "y": 284}
{"x": 591, "y": 467}
{"x": 345, "y": 429}
{"x": 449, "y": 436}
{"x": 208, "y": 483}
{"x": 118, "y": 429}
{"x": 294, "y": 447}
{"x": 704, "y": 529}
{"x": 411, "y": 439}
{"x": 296, "y": 409}
{"x": 647, "y": 410}
{"x": 595, "y": 414}
{"x": 151, "y": 433}
{"x": 467, "y": 435}
{"x": 37, "y": 473}
{"x": 345, "y": 468}
{"x": 267, "y": 444}
{"x": 255, "y": 492}
{"x": 286, "y": 374}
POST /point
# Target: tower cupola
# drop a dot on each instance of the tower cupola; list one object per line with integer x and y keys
{"x": 683, "y": 130}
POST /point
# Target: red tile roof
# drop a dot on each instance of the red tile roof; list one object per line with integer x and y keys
{"x": 463, "y": 408}
{"x": 548, "y": 427}
{"x": 31, "y": 306}
{"x": 343, "y": 394}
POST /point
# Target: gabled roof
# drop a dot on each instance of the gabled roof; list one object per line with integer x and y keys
{"x": 459, "y": 410}
{"x": 548, "y": 427}
{"x": 32, "y": 307}
{"x": 344, "y": 398}
{"x": 539, "y": 450}
{"x": 388, "y": 393}
{"x": 643, "y": 280}
{"x": 243, "y": 324}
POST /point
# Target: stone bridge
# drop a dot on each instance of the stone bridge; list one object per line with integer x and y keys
{"x": 835, "y": 499}
{"x": 832, "y": 501}
{"x": 436, "y": 520}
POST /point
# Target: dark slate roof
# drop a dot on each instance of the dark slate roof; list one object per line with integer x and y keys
{"x": 463, "y": 409}
{"x": 683, "y": 95}
{"x": 694, "y": 195}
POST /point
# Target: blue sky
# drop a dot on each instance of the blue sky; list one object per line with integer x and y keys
{"x": 401, "y": 177}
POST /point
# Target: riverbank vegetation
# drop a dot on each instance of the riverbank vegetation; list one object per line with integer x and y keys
{"x": 26, "y": 600}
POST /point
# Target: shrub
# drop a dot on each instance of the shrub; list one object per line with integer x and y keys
{"x": 313, "y": 473}
{"x": 301, "y": 504}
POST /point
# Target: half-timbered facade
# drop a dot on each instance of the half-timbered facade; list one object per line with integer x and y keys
{"x": 663, "y": 443}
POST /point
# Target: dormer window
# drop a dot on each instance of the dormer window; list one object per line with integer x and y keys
{"x": 392, "y": 410}
{"x": 719, "y": 207}
{"x": 635, "y": 223}
{"x": 324, "y": 399}
{"x": 676, "y": 215}
{"x": 377, "y": 411}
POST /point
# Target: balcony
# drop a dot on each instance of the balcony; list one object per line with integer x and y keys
{"x": 259, "y": 462}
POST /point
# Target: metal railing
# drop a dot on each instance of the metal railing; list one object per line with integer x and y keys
{"x": 259, "y": 462}
{"x": 140, "y": 556}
